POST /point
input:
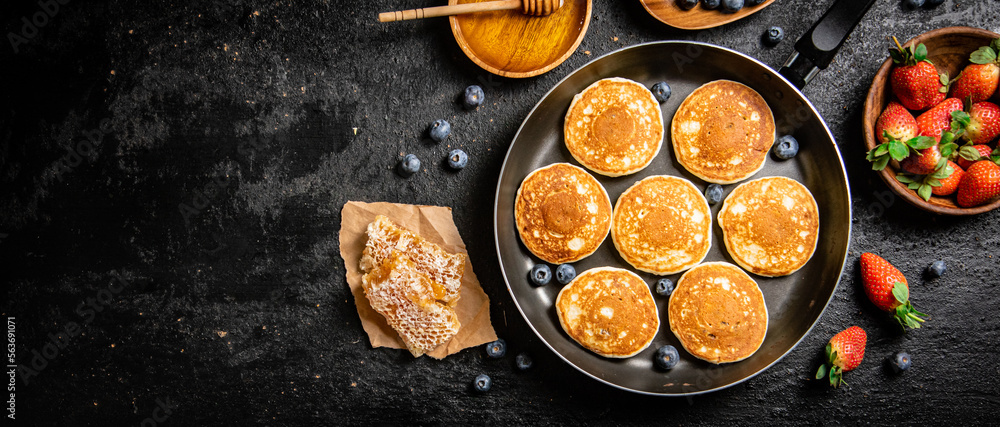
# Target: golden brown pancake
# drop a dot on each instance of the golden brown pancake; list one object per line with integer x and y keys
{"x": 609, "y": 311}
{"x": 562, "y": 213}
{"x": 614, "y": 127}
{"x": 770, "y": 225}
{"x": 718, "y": 313}
{"x": 662, "y": 225}
{"x": 722, "y": 132}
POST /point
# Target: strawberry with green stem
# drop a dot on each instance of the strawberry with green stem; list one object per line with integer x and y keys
{"x": 980, "y": 184}
{"x": 898, "y": 132}
{"x": 887, "y": 288}
{"x": 915, "y": 80}
{"x": 978, "y": 81}
{"x": 844, "y": 352}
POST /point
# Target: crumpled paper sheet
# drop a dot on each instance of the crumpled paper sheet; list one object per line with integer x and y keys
{"x": 435, "y": 224}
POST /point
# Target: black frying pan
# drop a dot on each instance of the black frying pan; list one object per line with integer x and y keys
{"x": 795, "y": 303}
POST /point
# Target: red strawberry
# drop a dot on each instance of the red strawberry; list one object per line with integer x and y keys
{"x": 844, "y": 352}
{"x": 982, "y": 150}
{"x": 897, "y": 121}
{"x": 938, "y": 119}
{"x": 949, "y": 184}
{"x": 886, "y": 287}
{"x": 979, "y": 80}
{"x": 923, "y": 163}
{"x": 980, "y": 184}
{"x": 984, "y": 122}
{"x": 914, "y": 80}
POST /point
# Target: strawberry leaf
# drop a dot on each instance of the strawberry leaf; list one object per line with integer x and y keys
{"x": 983, "y": 55}
{"x": 898, "y": 150}
{"x": 904, "y": 179}
{"x": 933, "y": 182}
{"x": 962, "y": 118}
{"x": 882, "y": 162}
{"x": 901, "y": 292}
{"x": 913, "y": 185}
{"x": 881, "y": 150}
{"x": 897, "y": 56}
{"x": 943, "y": 173}
{"x": 925, "y": 191}
{"x": 921, "y": 142}
{"x": 947, "y": 149}
{"x": 920, "y": 53}
{"x": 821, "y": 373}
{"x": 969, "y": 153}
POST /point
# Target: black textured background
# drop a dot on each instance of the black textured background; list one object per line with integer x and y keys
{"x": 265, "y": 117}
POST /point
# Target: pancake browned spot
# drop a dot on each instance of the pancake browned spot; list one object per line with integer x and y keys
{"x": 722, "y": 132}
{"x": 562, "y": 213}
{"x": 662, "y": 225}
{"x": 609, "y": 311}
{"x": 718, "y": 313}
{"x": 614, "y": 127}
{"x": 770, "y": 225}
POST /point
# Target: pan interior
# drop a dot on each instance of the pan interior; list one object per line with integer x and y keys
{"x": 794, "y": 303}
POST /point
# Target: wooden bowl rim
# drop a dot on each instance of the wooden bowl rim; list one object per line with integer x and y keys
{"x": 456, "y": 30}
{"x": 871, "y": 115}
{"x": 724, "y": 18}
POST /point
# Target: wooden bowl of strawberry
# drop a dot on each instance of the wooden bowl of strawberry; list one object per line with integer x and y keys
{"x": 932, "y": 120}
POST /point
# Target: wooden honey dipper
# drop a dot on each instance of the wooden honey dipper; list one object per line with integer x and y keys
{"x": 528, "y": 7}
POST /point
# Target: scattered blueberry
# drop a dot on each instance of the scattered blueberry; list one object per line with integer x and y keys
{"x": 933, "y": 3}
{"x": 664, "y": 287}
{"x": 565, "y": 273}
{"x": 496, "y": 349}
{"x": 713, "y": 193}
{"x": 912, "y": 4}
{"x": 523, "y": 361}
{"x": 711, "y": 4}
{"x": 749, "y": 3}
{"x": 541, "y": 274}
{"x": 666, "y": 357}
{"x": 409, "y": 165}
{"x": 482, "y": 383}
{"x": 786, "y": 147}
{"x": 774, "y": 35}
{"x": 439, "y": 130}
{"x": 937, "y": 268}
{"x": 900, "y": 362}
{"x": 661, "y": 91}
{"x": 732, "y": 6}
{"x": 687, "y": 4}
{"x": 457, "y": 159}
{"x": 474, "y": 97}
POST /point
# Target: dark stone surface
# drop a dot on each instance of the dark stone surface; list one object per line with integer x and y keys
{"x": 190, "y": 257}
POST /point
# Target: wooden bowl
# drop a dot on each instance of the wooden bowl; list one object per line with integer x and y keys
{"x": 698, "y": 18}
{"x": 948, "y": 48}
{"x": 511, "y": 44}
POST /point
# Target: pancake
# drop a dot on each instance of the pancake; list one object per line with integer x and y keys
{"x": 562, "y": 213}
{"x": 662, "y": 225}
{"x": 609, "y": 311}
{"x": 722, "y": 132}
{"x": 770, "y": 225}
{"x": 718, "y": 313}
{"x": 614, "y": 127}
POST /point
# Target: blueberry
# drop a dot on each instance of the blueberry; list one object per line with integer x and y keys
{"x": 710, "y": 4}
{"x": 482, "y": 383}
{"x": 496, "y": 349}
{"x": 786, "y": 147}
{"x": 541, "y": 274}
{"x": 774, "y": 35}
{"x": 457, "y": 159}
{"x": 732, "y": 6}
{"x": 661, "y": 91}
{"x": 749, "y": 3}
{"x": 912, "y": 4}
{"x": 666, "y": 357}
{"x": 900, "y": 362}
{"x": 409, "y": 165}
{"x": 713, "y": 193}
{"x": 565, "y": 273}
{"x": 687, "y": 4}
{"x": 473, "y": 98}
{"x": 523, "y": 361}
{"x": 937, "y": 268}
{"x": 439, "y": 130}
{"x": 933, "y": 3}
{"x": 664, "y": 287}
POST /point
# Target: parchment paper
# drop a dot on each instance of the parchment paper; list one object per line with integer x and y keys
{"x": 435, "y": 224}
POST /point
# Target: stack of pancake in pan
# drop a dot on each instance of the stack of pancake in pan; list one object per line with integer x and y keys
{"x": 662, "y": 225}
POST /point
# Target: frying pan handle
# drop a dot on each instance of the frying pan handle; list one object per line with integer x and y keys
{"x": 817, "y": 47}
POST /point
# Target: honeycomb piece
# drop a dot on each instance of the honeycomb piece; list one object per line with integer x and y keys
{"x": 406, "y": 298}
{"x": 443, "y": 268}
